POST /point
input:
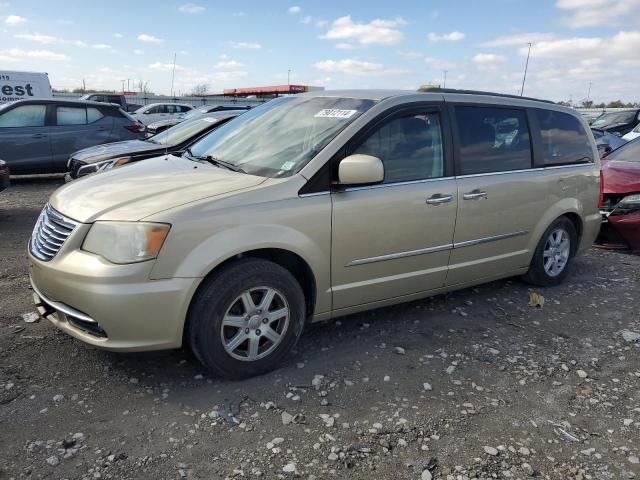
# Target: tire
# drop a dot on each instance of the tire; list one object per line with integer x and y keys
{"x": 226, "y": 328}
{"x": 540, "y": 273}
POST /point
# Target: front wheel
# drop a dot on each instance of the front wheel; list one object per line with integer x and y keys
{"x": 245, "y": 320}
{"x": 550, "y": 263}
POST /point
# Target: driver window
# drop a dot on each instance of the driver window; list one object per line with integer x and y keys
{"x": 410, "y": 147}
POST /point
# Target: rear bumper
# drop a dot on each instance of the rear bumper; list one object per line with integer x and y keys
{"x": 117, "y": 309}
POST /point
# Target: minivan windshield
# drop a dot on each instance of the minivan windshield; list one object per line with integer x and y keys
{"x": 279, "y": 137}
{"x": 185, "y": 130}
{"x": 614, "y": 118}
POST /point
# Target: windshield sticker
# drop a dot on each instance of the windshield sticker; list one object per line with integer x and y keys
{"x": 288, "y": 166}
{"x": 335, "y": 113}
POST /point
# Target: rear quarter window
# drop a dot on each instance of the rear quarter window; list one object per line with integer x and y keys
{"x": 564, "y": 140}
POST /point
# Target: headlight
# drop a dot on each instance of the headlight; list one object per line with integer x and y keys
{"x": 126, "y": 242}
{"x": 102, "y": 166}
{"x": 631, "y": 200}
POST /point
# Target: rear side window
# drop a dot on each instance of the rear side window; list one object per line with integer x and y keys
{"x": 93, "y": 115}
{"x": 114, "y": 99}
{"x": 24, "y": 116}
{"x": 492, "y": 140}
{"x": 564, "y": 141}
{"x": 71, "y": 116}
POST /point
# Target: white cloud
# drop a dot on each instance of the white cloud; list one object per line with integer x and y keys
{"x": 345, "y": 46}
{"x": 37, "y": 54}
{"x": 191, "y": 8}
{"x": 488, "y": 59}
{"x": 306, "y": 19}
{"x": 517, "y": 40}
{"x": 14, "y": 20}
{"x": 321, "y": 23}
{"x": 46, "y": 39}
{"x": 354, "y": 67}
{"x": 80, "y": 43}
{"x": 295, "y": 9}
{"x": 245, "y": 45}
{"x": 143, "y": 37}
{"x": 229, "y": 64}
{"x": 378, "y": 31}
{"x": 118, "y": 35}
{"x": 596, "y": 13}
{"x": 165, "y": 67}
{"x": 447, "y": 37}
{"x": 101, "y": 46}
{"x": 137, "y": 51}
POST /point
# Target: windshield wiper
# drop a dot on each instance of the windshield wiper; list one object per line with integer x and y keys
{"x": 214, "y": 161}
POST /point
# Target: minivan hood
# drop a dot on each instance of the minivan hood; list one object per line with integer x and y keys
{"x": 140, "y": 189}
{"x": 115, "y": 149}
{"x": 621, "y": 177}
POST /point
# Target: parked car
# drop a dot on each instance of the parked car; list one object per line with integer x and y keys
{"x": 310, "y": 207}
{"x": 635, "y": 133}
{"x": 619, "y": 122}
{"x": 4, "y": 175}
{"x": 620, "y": 205}
{"x": 161, "y": 111}
{"x": 157, "y": 127}
{"x": 606, "y": 142}
{"x": 120, "y": 100}
{"x": 174, "y": 140}
{"x": 37, "y": 136}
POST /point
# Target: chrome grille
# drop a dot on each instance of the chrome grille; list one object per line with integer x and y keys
{"x": 50, "y": 233}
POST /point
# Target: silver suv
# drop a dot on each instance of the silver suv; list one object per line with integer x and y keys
{"x": 312, "y": 207}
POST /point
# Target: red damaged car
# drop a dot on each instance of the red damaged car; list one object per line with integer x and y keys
{"x": 620, "y": 204}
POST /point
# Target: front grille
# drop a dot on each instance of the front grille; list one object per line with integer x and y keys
{"x": 74, "y": 166}
{"x": 50, "y": 233}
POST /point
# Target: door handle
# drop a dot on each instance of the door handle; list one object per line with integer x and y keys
{"x": 37, "y": 135}
{"x": 474, "y": 195}
{"x": 438, "y": 199}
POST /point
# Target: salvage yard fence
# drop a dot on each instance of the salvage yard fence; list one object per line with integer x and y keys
{"x": 145, "y": 99}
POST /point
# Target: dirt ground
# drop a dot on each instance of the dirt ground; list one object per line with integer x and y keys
{"x": 474, "y": 384}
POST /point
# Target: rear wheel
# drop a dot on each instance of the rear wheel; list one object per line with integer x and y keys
{"x": 245, "y": 320}
{"x": 550, "y": 263}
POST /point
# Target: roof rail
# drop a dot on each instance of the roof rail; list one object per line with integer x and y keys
{"x": 478, "y": 92}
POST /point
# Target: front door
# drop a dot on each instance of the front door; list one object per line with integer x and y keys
{"x": 394, "y": 238}
{"x": 501, "y": 197}
{"x": 24, "y": 139}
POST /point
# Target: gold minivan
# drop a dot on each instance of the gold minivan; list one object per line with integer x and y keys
{"x": 310, "y": 207}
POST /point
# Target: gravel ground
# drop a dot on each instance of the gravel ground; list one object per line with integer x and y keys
{"x": 474, "y": 384}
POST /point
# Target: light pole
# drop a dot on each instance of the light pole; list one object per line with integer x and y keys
{"x": 444, "y": 84}
{"x": 289, "y": 77}
{"x": 122, "y": 85}
{"x": 589, "y": 92}
{"x": 526, "y": 66}
{"x": 173, "y": 73}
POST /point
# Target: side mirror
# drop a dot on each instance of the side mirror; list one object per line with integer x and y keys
{"x": 360, "y": 170}
{"x": 146, "y": 112}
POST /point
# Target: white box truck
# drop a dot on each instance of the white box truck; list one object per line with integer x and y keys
{"x": 20, "y": 85}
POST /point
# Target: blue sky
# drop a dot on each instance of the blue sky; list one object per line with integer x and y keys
{"x": 346, "y": 44}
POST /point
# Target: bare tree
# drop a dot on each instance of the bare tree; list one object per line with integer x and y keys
{"x": 199, "y": 90}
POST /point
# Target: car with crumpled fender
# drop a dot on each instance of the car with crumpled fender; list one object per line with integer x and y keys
{"x": 312, "y": 207}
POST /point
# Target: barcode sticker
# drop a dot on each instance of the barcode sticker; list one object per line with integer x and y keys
{"x": 335, "y": 113}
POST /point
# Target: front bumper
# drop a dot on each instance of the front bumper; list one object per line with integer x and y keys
{"x": 620, "y": 232}
{"x": 114, "y": 307}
